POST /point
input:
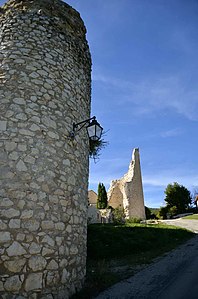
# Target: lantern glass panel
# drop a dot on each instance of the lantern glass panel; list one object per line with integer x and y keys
{"x": 91, "y": 131}
{"x": 98, "y": 131}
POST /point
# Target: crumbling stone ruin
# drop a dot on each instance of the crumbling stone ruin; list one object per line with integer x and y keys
{"x": 127, "y": 192}
{"x": 45, "y": 68}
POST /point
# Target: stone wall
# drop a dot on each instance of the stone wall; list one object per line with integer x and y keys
{"x": 92, "y": 197}
{"x": 44, "y": 87}
{"x": 127, "y": 192}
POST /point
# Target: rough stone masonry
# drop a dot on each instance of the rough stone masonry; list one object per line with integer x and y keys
{"x": 45, "y": 68}
{"x": 127, "y": 192}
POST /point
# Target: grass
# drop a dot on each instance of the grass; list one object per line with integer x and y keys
{"x": 115, "y": 252}
{"x": 193, "y": 217}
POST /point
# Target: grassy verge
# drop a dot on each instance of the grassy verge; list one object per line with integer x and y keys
{"x": 193, "y": 217}
{"x": 115, "y": 252}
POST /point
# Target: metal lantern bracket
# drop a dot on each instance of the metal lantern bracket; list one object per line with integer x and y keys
{"x": 78, "y": 126}
{"x": 83, "y": 123}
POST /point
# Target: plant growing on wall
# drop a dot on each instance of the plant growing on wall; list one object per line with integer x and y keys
{"x": 102, "y": 197}
{"x": 95, "y": 146}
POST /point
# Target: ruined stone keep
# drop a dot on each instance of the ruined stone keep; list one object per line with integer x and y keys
{"x": 127, "y": 192}
{"x": 45, "y": 68}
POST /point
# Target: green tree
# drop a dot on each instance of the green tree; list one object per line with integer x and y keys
{"x": 173, "y": 211}
{"x": 179, "y": 197}
{"x": 148, "y": 213}
{"x": 163, "y": 211}
{"x": 102, "y": 197}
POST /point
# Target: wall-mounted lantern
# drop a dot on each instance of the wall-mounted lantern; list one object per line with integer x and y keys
{"x": 94, "y": 129}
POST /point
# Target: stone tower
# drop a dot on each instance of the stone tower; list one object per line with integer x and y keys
{"x": 127, "y": 192}
{"x": 45, "y": 68}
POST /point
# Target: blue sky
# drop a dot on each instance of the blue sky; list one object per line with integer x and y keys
{"x": 144, "y": 89}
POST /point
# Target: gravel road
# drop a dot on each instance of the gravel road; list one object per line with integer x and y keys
{"x": 172, "y": 276}
{"x": 185, "y": 223}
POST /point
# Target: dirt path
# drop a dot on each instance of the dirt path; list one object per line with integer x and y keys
{"x": 171, "y": 276}
{"x": 185, "y": 223}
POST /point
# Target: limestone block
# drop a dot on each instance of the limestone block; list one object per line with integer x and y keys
{"x": 29, "y": 238}
{"x": 34, "y": 128}
{"x": 22, "y": 147}
{"x": 52, "y": 278}
{"x": 29, "y": 159}
{"x": 26, "y": 214}
{"x": 59, "y": 240}
{"x": 19, "y": 101}
{"x": 52, "y": 265}
{"x": 37, "y": 263}
{"x": 21, "y": 116}
{"x": 6, "y": 202}
{"x": 65, "y": 276}
{"x": 33, "y": 196}
{"x": 69, "y": 228}
{"x": 32, "y": 224}
{"x": 64, "y": 202}
{"x": 14, "y": 156}
{"x": 13, "y": 284}
{"x": 63, "y": 263}
{"x": 21, "y": 204}
{"x": 47, "y": 224}
{"x": 5, "y": 237}
{"x": 48, "y": 122}
{"x": 10, "y": 145}
{"x": 20, "y": 237}
{"x": 3, "y": 125}
{"x": 59, "y": 226}
{"x": 47, "y": 251}
{"x": 3, "y": 225}
{"x": 47, "y": 239}
{"x": 33, "y": 282}
{"x": 26, "y": 132}
{"x": 73, "y": 250}
{"x": 72, "y": 180}
{"x": 21, "y": 166}
{"x": 15, "y": 223}
{"x": 15, "y": 265}
{"x": 20, "y": 61}
{"x": 15, "y": 249}
{"x": 9, "y": 213}
{"x": 66, "y": 162}
{"x": 34, "y": 248}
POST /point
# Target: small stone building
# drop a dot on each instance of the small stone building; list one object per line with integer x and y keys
{"x": 94, "y": 215}
{"x": 97, "y": 215}
{"x": 92, "y": 198}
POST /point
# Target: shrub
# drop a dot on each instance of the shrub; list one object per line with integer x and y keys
{"x": 118, "y": 215}
{"x": 148, "y": 213}
{"x": 134, "y": 220}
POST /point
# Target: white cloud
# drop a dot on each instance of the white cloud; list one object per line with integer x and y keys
{"x": 162, "y": 179}
{"x": 171, "y": 133}
{"x": 174, "y": 92}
